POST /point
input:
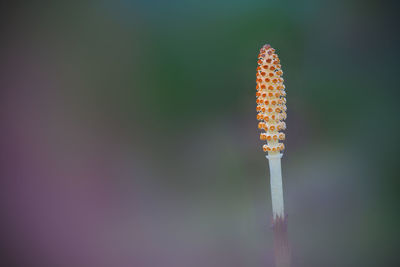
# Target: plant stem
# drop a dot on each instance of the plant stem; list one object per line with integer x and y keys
{"x": 276, "y": 184}
{"x": 281, "y": 242}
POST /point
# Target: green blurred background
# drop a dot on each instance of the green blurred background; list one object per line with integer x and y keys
{"x": 130, "y": 136}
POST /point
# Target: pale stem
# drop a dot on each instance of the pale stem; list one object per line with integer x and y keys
{"x": 276, "y": 184}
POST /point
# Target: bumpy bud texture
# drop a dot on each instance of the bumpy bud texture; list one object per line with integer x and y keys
{"x": 271, "y": 101}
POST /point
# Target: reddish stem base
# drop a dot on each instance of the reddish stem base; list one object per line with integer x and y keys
{"x": 281, "y": 242}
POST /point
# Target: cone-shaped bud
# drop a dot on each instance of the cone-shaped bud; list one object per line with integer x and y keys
{"x": 271, "y": 101}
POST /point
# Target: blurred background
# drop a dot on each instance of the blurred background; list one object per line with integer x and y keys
{"x": 129, "y": 133}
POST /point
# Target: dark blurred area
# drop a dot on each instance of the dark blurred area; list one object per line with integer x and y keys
{"x": 129, "y": 133}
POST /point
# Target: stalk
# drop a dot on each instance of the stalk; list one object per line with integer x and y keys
{"x": 271, "y": 108}
{"x": 281, "y": 242}
{"x": 274, "y": 160}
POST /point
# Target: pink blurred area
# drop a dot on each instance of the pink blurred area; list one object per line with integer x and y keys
{"x": 78, "y": 192}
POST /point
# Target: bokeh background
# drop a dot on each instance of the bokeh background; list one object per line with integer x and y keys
{"x": 129, "y": 133}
